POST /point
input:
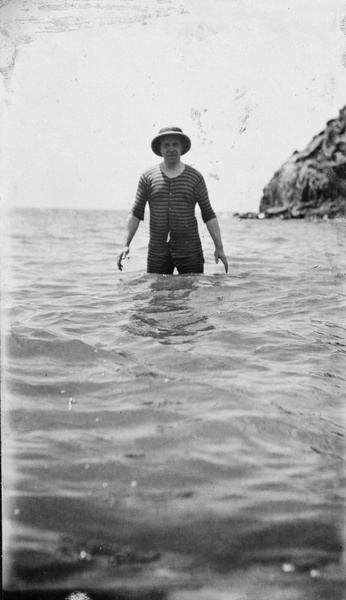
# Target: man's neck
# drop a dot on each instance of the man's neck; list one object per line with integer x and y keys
{"x": 173, "y": 167}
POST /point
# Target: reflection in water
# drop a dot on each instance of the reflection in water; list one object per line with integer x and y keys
{"x": 164, "y": 311}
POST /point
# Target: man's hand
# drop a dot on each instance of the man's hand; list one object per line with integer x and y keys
{"x": 122, "y": 256}
{"x": 219, "y": 254}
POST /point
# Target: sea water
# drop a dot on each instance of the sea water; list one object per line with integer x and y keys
{"x": 174, "y": 437}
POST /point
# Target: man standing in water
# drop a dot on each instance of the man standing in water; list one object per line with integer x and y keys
{"x": 172, "y": 190}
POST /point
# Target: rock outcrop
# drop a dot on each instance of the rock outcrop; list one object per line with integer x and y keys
{"x": 312, "y": 183}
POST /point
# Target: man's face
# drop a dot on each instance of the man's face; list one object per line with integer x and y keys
{"x": 171, "y": 148}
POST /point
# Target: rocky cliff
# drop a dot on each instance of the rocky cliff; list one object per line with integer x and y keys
{"x": 311, "y": 183}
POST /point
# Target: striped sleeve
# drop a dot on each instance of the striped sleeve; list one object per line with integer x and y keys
{"x": 141, "y": 199}
{"x": 202, "y": 197}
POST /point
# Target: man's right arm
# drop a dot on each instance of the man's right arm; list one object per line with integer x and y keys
{"x": 131, "y": 228}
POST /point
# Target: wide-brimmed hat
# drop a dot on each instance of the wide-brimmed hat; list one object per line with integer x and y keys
{"x": 185, "y": 140}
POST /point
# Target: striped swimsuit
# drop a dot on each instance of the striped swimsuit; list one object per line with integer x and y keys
{"x": 174, "y": 239}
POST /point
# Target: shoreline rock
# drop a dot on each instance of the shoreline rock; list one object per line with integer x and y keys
{"x": 283, "y": 214}
{"x": 246, "y": 215}
{"x": 312, "y": 183}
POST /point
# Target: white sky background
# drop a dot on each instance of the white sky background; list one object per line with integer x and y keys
{"x": 86, "y": 85}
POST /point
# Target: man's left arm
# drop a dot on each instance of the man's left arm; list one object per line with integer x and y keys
{"x": 214, "y": 230}
{"x": 211, "y": 221}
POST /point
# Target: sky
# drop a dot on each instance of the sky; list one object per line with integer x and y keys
{"x": 86, "y": 85}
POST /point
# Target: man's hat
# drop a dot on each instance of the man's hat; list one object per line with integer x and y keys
{"x": 185, "y": 141}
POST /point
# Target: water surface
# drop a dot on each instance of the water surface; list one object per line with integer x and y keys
{"x": 174, "y": 437}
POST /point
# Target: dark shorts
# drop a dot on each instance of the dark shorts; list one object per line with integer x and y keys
{"x": 165, "y": 265}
